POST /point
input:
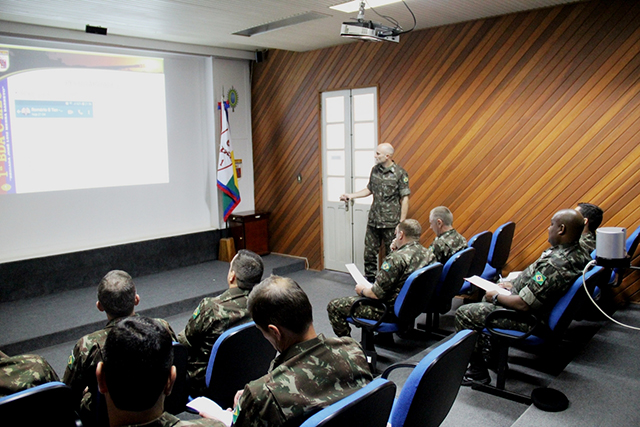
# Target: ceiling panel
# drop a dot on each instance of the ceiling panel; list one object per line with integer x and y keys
{"x": 213, "y": 22}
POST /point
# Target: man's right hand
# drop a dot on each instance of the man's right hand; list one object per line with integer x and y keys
{"x": 345, "y": 197}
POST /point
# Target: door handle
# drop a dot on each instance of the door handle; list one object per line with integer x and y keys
{"x": 346, "y": 205}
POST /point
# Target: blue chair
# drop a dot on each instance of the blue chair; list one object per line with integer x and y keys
{"x": 370, "y": 406}
{"x": 481, "y": 242}
{"x": 499, "y": 251}
{"x": 540, "y": 334}
{"x": 431, "y": 388}
{"x": 43, "y": 405}
{"x": 239, "y": 356}
{"x": 418, "y": 288}
{"x": 451, "y": 280}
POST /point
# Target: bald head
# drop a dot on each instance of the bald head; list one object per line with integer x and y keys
{"x": 566, "y": 227}
{"x": 386, "y": 148}
{"x": 384, "y": 155}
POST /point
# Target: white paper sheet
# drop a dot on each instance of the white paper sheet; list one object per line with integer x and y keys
{"x": 487, "y": 285}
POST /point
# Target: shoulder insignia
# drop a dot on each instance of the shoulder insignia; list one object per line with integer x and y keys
{"x": 385, "y": 266}
{"x": 71, "y": 360}
{"x": 405, "y": 179}
{"x": 539, "y": 278}
{"x": 196, "y": 312}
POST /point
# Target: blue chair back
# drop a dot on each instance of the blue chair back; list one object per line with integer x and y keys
{"x": 632, "y": 242}
{"x": 481, "y": 242}
{"x": 451, "y": 280}
{"x": 567, "y": 306}
{"x": 432, "y": 387}
{"x": 499, "y": 251}
{"x": 370, "y": 406}
{"x": 418, "y": 288}
{"x": 239, "y": 356}
{"x": 43, "y": 405}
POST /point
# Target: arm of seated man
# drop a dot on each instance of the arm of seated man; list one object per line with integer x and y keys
{"x": 514, "y": 302}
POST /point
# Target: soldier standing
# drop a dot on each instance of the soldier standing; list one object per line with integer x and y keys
{"x": 537, "y": 289}
{"x": 389, "y": 185}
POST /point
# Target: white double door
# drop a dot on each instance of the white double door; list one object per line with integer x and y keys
{"x": 349, "y": 141}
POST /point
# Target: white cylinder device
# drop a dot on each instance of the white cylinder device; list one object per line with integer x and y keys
{"x": 610, "y": 243}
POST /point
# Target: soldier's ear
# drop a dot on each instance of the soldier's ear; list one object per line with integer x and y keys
{"x": 99, "y": 306}
{"x": 102, "y": 382}
{"x": 170, "y": 381}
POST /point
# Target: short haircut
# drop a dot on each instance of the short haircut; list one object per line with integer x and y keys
{"x": 411, "y": 228}
{"x": 117, "y": 293}
{"x": 137, "y": 359}
{"x": 280, "y": 301}
{"x": 442, "y": 213}
{"x": 248, "y": 267}
{"x": 593, "y": 213}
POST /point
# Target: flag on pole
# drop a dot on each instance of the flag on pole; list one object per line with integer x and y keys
{"x": 227, "y": 176}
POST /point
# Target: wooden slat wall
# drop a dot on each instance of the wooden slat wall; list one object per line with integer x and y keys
{"x": 510, "y": 118}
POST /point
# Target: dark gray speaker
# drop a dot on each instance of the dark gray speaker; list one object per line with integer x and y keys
{"x": 261, "y": 55}
{"x": 96, "y": 30}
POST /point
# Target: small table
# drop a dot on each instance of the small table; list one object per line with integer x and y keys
{"x": 250, "y": 230}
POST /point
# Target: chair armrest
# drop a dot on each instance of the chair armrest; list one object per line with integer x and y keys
{"x": 395, "y": 366}
{"x": 512, "y": 315}
{"x": 372, "y": 303}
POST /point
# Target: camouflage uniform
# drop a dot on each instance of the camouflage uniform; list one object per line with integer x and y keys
{"x": 445, "y": 245}
{"x": 211, "y": 318}
{"x": 305, "y": 378}
{"x": 395, "y": 270}
{"x": 588, "y": 241}
{"x": 388, "y": 186}
{"x": 168, "y": 420}
{"x": 81, "y": 367}
{"x": 540, "y": 285}
{"x": 19, "y": 373}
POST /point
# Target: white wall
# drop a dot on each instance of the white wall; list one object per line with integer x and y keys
{"x": 42, "y": 224}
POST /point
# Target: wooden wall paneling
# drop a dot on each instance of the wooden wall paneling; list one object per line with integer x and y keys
{"x": 508, "y": 118}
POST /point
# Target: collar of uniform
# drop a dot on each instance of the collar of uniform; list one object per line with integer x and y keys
{"x": 112, "y": 322}
{"x": 566, "y": 246}
{"x": 296, "y": 349}
{"x": 391, "y": 168}
{"x": 234, "y": 292}
{"x": 415, "y": 242}
{"x": 446, "y": 233}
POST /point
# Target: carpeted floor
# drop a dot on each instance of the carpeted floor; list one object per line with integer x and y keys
{"x": 602, "y": 373}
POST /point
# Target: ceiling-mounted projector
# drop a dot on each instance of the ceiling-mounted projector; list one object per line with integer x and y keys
{"x": 368, "y": 31}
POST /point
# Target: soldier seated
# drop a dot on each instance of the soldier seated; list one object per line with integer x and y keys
{"x": 538, "y": 288}
{"x": 215, "y": 315}
{"x": 407, "y": 256}
{"x": 117, "y": 297}
{"x": 311, "y": 371}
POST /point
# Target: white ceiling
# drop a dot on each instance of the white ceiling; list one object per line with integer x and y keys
{"x": 213, "y": 22}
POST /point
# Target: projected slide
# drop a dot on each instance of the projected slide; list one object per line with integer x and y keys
{"x": 73, "y": 120}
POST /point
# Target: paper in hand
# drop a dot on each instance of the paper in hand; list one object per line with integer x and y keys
{"x": 487, "y": 285}
{"x": 357, "y": 276}
{"x": 211, "y": 408}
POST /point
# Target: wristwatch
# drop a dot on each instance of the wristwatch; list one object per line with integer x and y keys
{"x": 494, "y": 300}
